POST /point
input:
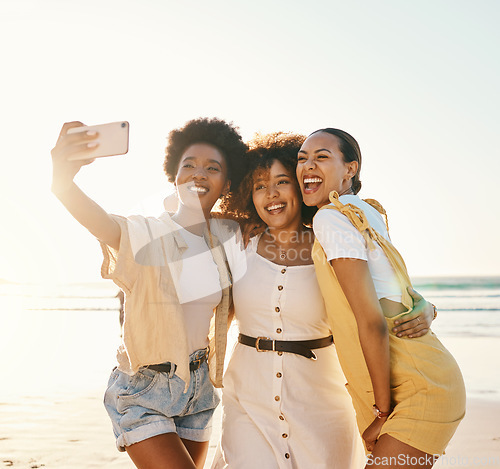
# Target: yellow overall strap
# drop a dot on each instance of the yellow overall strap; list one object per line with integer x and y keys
{"x": 378, "y": 207}
{"x": 358, "y": 218}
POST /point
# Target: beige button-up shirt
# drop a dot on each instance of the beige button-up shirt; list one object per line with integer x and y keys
{"x": 144, "y": 267}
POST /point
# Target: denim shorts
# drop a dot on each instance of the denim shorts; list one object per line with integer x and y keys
{"x": 151, "y": 403}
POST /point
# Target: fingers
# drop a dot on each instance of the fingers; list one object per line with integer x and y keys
{"x": 405, "y": 318}
{"x": 412, "y": 328}
{"x": 414, "y": 294}
{"x": 246, "y": 238}
{"x": 419, "y": 333}
{"x": 66, "y": 126}
{"x": 251, "y": 230}
{"x": 74, "y": 146}
{"x": 370, "y": 442}
{"x": 82, "y": 151}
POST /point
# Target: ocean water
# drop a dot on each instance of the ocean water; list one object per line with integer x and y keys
{"x": 467, "y": 306}
{"x": 63, "y": 338}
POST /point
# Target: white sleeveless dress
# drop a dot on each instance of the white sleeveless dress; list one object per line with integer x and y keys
{"x": 283, "y": 411}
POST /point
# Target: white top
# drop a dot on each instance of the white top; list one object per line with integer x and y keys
{"x": 340, "y": 239}
{"x": 146, "y": 268}
{"x": 198, "y": 288}
{"x": 283, "y": 410}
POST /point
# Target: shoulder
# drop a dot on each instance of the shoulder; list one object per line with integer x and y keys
{"x": 374, "y": 217}
{"x": 330, "y": 218}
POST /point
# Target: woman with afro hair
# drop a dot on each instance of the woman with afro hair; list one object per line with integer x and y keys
{"x": 174, "y": 274}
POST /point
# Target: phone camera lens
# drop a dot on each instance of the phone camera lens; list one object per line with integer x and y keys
{"x": 123, "y": 124}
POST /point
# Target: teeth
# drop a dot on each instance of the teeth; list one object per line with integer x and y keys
{"x": 275, "y": 207}
{"x": 198, "y": 189}
{"x": 312, "y": 180}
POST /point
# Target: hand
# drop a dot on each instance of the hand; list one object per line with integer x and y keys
{"x": 418, "y": 321}
{"x": 249, "y": 230}
{"x": 370, "y": 435}
{"x": 64, "y": 169}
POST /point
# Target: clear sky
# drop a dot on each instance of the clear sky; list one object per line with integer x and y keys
{"x": 415, "y": 82}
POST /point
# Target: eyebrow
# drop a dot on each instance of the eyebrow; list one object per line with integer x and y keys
{"x": 275, "y": 177}
{"x": 194, "y": 158}
{"x": 317, "y": 151}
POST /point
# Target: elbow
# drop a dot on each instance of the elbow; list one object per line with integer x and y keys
{"x": 377, "y": 327}
{"x": 382, "y": 328}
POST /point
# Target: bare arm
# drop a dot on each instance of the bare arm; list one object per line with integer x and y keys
{"x": 356, "y": 282}
{"x": 84, "y": 210}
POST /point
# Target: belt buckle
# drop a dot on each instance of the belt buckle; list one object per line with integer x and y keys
{"x": 257, "y": 343}
{"x": 196, "y": 362}
{"x": 201, "y": 359}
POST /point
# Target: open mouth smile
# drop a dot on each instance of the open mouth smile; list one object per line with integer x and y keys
{"x": 311, "y": 184}
{"x": 275, "y": 208}
{"x": 198, "y": 189}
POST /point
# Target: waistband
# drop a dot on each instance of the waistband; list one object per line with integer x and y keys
{"x": 299, "y": 347}
{"x": 193, "y": 364}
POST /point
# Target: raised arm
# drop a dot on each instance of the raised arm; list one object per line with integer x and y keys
{"x": 64, "y": 169}
{"x": 356, "y": 282}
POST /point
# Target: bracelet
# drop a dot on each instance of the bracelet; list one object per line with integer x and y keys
{"x": 435, "y": 312}
{"x": 379, "y": 414}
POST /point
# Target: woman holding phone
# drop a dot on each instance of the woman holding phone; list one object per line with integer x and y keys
{"x": 174, "y": 274}
{"x": 414, "y": 387}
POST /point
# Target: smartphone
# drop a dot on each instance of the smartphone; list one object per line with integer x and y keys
{"x": 112, "y": 139}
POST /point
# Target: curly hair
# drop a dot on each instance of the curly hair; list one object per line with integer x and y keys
{"x": 263, "y": 151}
{"x": 216, "y": 132}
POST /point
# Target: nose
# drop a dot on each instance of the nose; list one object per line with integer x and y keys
{"x": 200, "y": 173}
{"x": 310, "y": 163}
{"x": 272, "y": 191}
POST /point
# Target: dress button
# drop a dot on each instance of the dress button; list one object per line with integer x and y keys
{"x": 283, "y": 271}
{"x": 278, "y": 375}
{"x": 287, "y": 455}
{"x": 280, "y": 353}
{"x": 284, "y": 435}
{"x": 276, "y": 398}
{"x": 277, "y": 309}
{"x": 280, "y": 287}
{"x": 281, "y": 417}
{"x": 279, "y": 331}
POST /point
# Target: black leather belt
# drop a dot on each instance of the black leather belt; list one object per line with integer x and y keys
{"x": 300, "y": 347}
{"x": 166, "y": 367}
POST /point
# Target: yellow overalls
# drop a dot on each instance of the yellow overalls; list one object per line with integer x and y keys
{"x": 427, "y": 388}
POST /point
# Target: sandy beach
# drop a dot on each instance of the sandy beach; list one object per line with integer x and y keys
{"x": 74, "y": 432}
{"x": 54, "y": 377}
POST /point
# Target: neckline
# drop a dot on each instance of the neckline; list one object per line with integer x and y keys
{"x": 278, "y": 266}
{"x": 281, "y": 266}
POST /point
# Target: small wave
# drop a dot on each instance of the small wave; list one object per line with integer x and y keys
{"x": 457, "y": 283}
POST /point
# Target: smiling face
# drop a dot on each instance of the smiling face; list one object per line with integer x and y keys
{"x": 276, "y": 197}
{"x": 321, "y": 169}
{"x": 201, "y": 176}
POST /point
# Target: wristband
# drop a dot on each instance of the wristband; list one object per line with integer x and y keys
{"x": 379, "y": 414}
{"x": 435, "y": 312}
